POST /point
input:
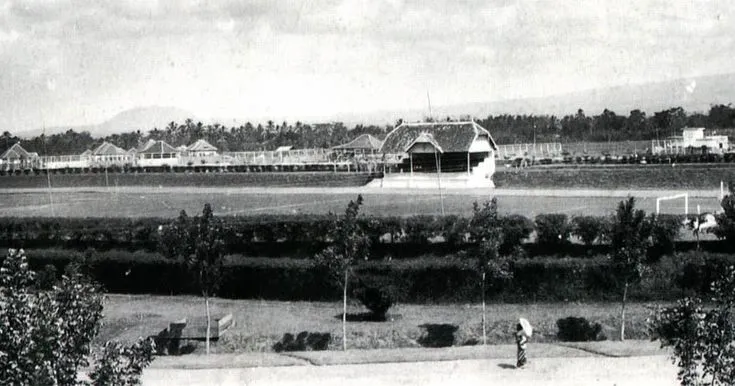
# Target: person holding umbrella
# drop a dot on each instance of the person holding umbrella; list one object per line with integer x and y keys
{"x": 523, "y": 332}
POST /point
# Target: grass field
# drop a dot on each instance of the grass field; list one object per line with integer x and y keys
{"x": 168, "y": 202}
{"x": 261, "y": 324}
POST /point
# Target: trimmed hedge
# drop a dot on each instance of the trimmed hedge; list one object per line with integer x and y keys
{"x": 303, "y": 235}
{"x": 423, "y": 280}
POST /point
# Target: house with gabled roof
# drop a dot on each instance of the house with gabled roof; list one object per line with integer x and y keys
{"x": 108, "y": 154}
{"x": 145, "y": 145}
{"x": 462, "y": 149}
{"x": 364, "y": 143}
{"x": 201, "y": 148}
{"x": 17, "y": 157}
{"x": 158, "y": 153}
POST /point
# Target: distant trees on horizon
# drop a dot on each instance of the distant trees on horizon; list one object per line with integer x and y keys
{"x": 505, "y": 128}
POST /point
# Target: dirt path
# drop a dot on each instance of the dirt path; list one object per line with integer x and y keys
{"x": 651, "y": 371}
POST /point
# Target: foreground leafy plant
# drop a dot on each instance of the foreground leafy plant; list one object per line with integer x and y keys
{"x": 349, "y": 244}
{"x": 198, "y": 243}
{"x": 46, "y": 335}
{"x": 486, "y": 234}
{"x": 702, "y": 336}
{"x": 630, "y": 236}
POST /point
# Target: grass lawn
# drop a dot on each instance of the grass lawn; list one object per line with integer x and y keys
{"x": 261, "y": 324}
{"x": 165, "y": 203}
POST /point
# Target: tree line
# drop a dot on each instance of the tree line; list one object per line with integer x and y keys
{"x": 505, "y": 128}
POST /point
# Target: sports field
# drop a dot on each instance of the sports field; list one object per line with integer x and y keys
{"x": 167, "y": 202}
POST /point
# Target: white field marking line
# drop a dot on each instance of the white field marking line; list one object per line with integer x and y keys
{"x": 279, "y": 206}
{"x": 409, "y": 199}
{"x": 26, "y": 207}
{"x": 575, "y": 208}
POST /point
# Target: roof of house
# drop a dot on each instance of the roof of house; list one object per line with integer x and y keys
{"x": 281, "y": 149}
{"x": 159, "y": 147}
{"x": 107, "y": 148}
{"x": 201, "y": 145}
{"x": 451, "y": 137}
{"x": 86, "y": 153}
{"x": 146, "y": 145}
{"x": 364, "y": 141}
{"x": 16, "y": 151}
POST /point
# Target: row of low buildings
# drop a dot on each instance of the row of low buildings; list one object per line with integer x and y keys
{"x": 151, "y": 154}
{"x": 416, "y": 146}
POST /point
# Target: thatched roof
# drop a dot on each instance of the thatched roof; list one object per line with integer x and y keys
{"x": 364, "y": 141}
{"x": 107, "y": 148}
{"x": 201, "y": 145}
{"x": 451, "y": 137}
{"x": 425, "y": 138}
{"x": 159, "y": 147}
{"x": 16, "y": 152}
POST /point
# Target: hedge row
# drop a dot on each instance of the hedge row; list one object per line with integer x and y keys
{"x": 189, "y": 178}
{"x": 643, "y": 158}
{"x": 424, "y": 280}
{"x": 305, "y": 235}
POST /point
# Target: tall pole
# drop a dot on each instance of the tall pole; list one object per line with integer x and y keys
{"x": 429, "y": 100}
{"x": 468, "y": 164}
{"x": 439, "y": 178}
{"x": 48, "y": 176}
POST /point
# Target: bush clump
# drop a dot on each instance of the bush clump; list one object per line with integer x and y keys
{"x": 578, "y": 329}
{"x": 553, "y": 229}
{"x": 516, "y": 228}
{"x": 665, "y": 232}
{"x": 589, "y": 229}
{"x": 377, "y": 299}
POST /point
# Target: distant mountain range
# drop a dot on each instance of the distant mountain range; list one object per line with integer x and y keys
{"x": 694, "y": 95}
{"x": 140, "y": 118}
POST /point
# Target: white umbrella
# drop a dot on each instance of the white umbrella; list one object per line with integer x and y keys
{"x": 527, "y": 328}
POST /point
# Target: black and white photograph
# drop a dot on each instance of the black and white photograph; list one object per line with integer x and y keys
{"x": 388, "y": 192}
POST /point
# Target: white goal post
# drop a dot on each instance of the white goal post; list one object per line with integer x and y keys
{"x": 685, "y": 196}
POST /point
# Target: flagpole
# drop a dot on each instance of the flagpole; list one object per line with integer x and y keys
{"x": 48, "y": 175}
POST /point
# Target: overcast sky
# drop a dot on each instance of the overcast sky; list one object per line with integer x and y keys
{"x": 77, "y": 62}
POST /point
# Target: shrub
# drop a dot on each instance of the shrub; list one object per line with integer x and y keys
{"x": 376, "y": 299}
{"x": 588, "y": 228}
{"x": 46, "y": 336}
{"x": 701, "y": 336}
{"x": 553, "y": 229}
{"x": 121, "y": 365}
{"x": 304, "y": 341}
{"x": 46, "y": 278}
{"x": 516, "y": 228}
{"x": 665, "y": 232}
{"x": 578, "y": 329}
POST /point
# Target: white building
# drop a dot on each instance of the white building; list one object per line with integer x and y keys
{"x": 201, "y": 148}
{"x": 108, "y": 154}
{"x": 158, "y": 154}
{"x": 693, "y": 139}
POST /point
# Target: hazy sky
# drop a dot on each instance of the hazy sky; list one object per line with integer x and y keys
{"x": 77, "y": 61}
